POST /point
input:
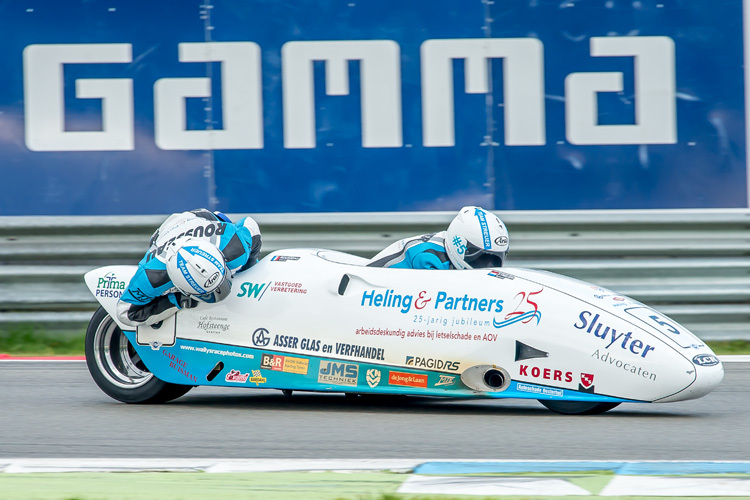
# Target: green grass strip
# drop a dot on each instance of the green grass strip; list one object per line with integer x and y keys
{"x": 251, "y": 486}
{"x": 35, "y": 340}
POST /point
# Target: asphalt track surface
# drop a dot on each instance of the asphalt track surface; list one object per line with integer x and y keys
{"x": 54, "y": 409}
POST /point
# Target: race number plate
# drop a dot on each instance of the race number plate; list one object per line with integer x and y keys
{"x": 164, "y": 334}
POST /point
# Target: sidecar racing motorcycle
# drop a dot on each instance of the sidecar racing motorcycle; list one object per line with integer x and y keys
{"x": 319, "y": 320}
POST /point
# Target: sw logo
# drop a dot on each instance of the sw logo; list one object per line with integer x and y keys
{"x": 252, "y": 290}
{"x": 587, "y": 383}
{"x": 338, "y": 373}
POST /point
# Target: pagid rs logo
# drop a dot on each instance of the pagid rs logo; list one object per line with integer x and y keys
{"x": 436, "y": 364}
{"x": 331, "y": 372}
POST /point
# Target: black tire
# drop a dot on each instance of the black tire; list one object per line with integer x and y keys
{"x": 577, "y": 407}
{"x": 118, "y": 370}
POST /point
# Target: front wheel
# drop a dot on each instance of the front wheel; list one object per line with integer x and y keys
{"x": 577, "y": 407}
{"x": 117, "y": 368}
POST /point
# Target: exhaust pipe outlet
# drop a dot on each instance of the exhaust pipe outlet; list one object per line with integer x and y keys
{"x": 494, "y": 378}
{"x": 486, "y": 378}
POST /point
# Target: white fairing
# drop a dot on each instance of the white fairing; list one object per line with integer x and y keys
{"x": 108, "y": 284}
{"x": 539, "y": 327}
{"x": 628, "y": 344}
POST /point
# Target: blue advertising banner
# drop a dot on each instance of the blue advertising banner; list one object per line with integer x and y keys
{"x": 135, "y": 107}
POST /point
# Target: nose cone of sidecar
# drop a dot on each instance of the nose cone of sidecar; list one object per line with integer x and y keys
{"x": 709, "y": 374}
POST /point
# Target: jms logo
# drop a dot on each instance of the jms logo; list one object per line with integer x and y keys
{"x": 338, "y": 373}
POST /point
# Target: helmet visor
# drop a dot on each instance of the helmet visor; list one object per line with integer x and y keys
{"x": 479, "y": 258}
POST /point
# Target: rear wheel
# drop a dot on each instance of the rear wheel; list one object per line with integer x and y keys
{"x": 117, "y": 368}
{"x": 577, "y": 407}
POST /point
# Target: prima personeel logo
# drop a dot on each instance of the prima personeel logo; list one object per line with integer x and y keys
{"x": 109, "y": 286}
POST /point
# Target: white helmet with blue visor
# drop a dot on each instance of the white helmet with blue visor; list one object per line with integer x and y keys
{"x": 476, "y": 239}
{"x": 198, "y": 269}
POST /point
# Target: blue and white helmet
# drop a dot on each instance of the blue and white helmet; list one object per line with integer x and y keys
{"x": 476, "y": 239}
{"x": 198, "y": 269}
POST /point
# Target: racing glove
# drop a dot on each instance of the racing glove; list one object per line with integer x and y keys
{"x": 184, "y": 301}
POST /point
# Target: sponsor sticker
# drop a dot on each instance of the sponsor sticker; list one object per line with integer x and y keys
{"x": 407, "y": 379}
{"x": 287, "y": 287}
{"x": 284, "y": 258}
{"x": 437, "y": 364}
{"x": 522, "y": 311}
{"x": 332, "y": 372}
{"x": 287, "y": 364}
{"x": 236, "y": 376}
{"x": 292, "y": 342}
{"x": 209, "y": 323}
{"x": 179, "y": 365}
{"x": 611, "y": 359}
{"x": 373, "y": 377}
{"x": 592, "y": 324}
{"x": 535, "y": 389}
{"x": 110, "y": 286}
{"x": 445, "y": 380}
{"x": 252, "y": 290}
{"x": 705, "y": 360}
{"x": 501, "y": 275}
{"x": 360, "y": 351}
{"x": 257, "y": 378}
{"x": 545, "y": 373}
